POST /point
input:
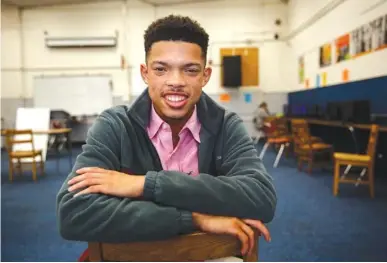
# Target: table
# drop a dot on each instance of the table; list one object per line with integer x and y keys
{"x": 56, "y": 132}
{"x": 382, "y": 128}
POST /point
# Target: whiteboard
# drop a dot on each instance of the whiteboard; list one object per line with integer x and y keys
{"x": 78, "y": 95}
{"x": 37, "y": 119}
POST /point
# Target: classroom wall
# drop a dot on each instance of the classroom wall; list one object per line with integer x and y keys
{"x": 24, "y": 54}
{"x": 11, "y": 61}
{"x": 251, "y": 19}
{"x": 11, "y": 58}
{"x": 347, "y": 16}
{"x": 228, "y": 22}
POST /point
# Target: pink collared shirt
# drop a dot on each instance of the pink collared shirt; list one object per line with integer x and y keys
{"x": 184, "y": 158}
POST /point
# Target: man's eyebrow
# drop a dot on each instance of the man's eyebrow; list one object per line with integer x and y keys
{"x": 191, "y": 64}
{"x": 160, "y": 62}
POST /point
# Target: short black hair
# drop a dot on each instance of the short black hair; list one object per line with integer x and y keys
{"x": 176, "y": 28}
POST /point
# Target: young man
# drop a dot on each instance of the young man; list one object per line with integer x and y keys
{"x": 172, "y": 163}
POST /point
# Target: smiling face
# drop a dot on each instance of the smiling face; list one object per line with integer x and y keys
{"x": 175, "y": 74}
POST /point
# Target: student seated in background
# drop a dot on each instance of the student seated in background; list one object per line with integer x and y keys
{"x": 260, "y": 115}
{"x": 173, "y": 163}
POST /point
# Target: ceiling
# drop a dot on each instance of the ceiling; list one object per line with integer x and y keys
{"x": 32, "y": 3}
{"x": 35, "y": 3}
{"x": 171, "y": 2}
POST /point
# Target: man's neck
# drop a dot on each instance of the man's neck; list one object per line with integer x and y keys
{"x": 176, "y": 124}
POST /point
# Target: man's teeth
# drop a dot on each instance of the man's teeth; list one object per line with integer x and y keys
{"x": 175, "y": 98}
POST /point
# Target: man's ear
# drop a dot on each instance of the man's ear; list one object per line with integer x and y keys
{"x": 207, "y": 75}
{"x": 144, "y": 73}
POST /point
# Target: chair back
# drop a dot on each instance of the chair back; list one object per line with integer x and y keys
{"x": 268, "y": 129}
{"x": 18, "y": 137}
{"x": 281, "y": 127}
{"x": 372, "y": 141}
{"x": 194, "y": 247}
{"x": 301, "y": 135}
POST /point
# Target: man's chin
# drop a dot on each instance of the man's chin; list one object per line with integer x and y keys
{"x": 176, "y": 117}
{"x": 176, "y": 114}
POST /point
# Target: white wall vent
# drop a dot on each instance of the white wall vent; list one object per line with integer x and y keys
{"x": 80, "y": 42}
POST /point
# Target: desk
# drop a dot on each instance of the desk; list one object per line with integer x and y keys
{"x": 341, "y": 124}
{"x": 343, "y": 142}
{"x": 55, "y": 132}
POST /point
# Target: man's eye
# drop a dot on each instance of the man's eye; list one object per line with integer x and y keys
{"x": 192, "y": 70}
{"x": 160, "y": 69}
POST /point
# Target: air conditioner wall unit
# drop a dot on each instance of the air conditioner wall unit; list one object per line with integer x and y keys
{"x": 80, "y": 42}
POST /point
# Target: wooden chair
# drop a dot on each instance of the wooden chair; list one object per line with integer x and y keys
{"x": 15, "y": 137}
{"x": 307, "y": 148}
{"x": 360, "y": 160}
{"x": 193, "y": 247}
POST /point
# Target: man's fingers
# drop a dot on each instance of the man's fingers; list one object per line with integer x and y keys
{"x": 242, "y": 236}
{"x": 94, "y": 189}
{"x": 90, "y": 170}
{"x": 244, "y": 241}
{"x": 250, "y": 233}
{"x": 85, "y": 183}
{"x": 83, "y": 177}
{"x": 259, "y": 226}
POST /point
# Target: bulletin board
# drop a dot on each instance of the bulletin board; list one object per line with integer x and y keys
{"x": 250, "y": 63}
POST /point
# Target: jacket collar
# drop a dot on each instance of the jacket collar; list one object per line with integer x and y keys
{"x": 210, "y": 114}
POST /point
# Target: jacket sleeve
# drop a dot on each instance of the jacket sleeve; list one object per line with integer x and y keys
{"x": 244, "y": 189}
{"x": 102, "y": 218}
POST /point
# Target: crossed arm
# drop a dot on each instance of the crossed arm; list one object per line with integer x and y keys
{"x": 96, "y": 203}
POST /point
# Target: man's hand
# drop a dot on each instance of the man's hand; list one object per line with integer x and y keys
{"x": 242, "y": 229}
{"x": 97, "y": 180}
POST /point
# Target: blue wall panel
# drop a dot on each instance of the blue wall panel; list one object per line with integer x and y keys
{"x": 374, "y": 90}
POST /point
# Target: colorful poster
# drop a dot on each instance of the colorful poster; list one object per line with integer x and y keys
{"x": 324, "y": 79}
{"x": 378, "y": 33}
{"x": 385, "y": 30}
{"x": 248, "y": 97}
{"x": 361, "y": 39}
{"x": 345, "y": 75}
{"x": 301, "y": 70}
{"x": 326, "y": 55}
{"x": 342, "y": 48}
{"x": 225, "y": 97}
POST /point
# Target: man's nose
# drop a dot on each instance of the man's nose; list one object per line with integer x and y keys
{"x": 176, "y": 79}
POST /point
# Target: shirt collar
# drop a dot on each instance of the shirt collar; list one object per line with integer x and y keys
{"x": 193, "y": 124}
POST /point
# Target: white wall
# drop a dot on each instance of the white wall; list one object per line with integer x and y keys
{"x": 24, "y": 48}
{"x": 343, "y": 19}
{"x": 11, "y": 60}
{"x": 227, "y": 21}
{"x": 98, "y": 19}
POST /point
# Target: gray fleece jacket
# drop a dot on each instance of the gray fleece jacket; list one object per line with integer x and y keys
{"x": 232, "y": 181}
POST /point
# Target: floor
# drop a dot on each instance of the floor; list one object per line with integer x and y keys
{"x": 310, "y": 224}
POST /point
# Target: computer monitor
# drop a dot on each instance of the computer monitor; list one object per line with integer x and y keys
{"x": 333, "y": 111}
